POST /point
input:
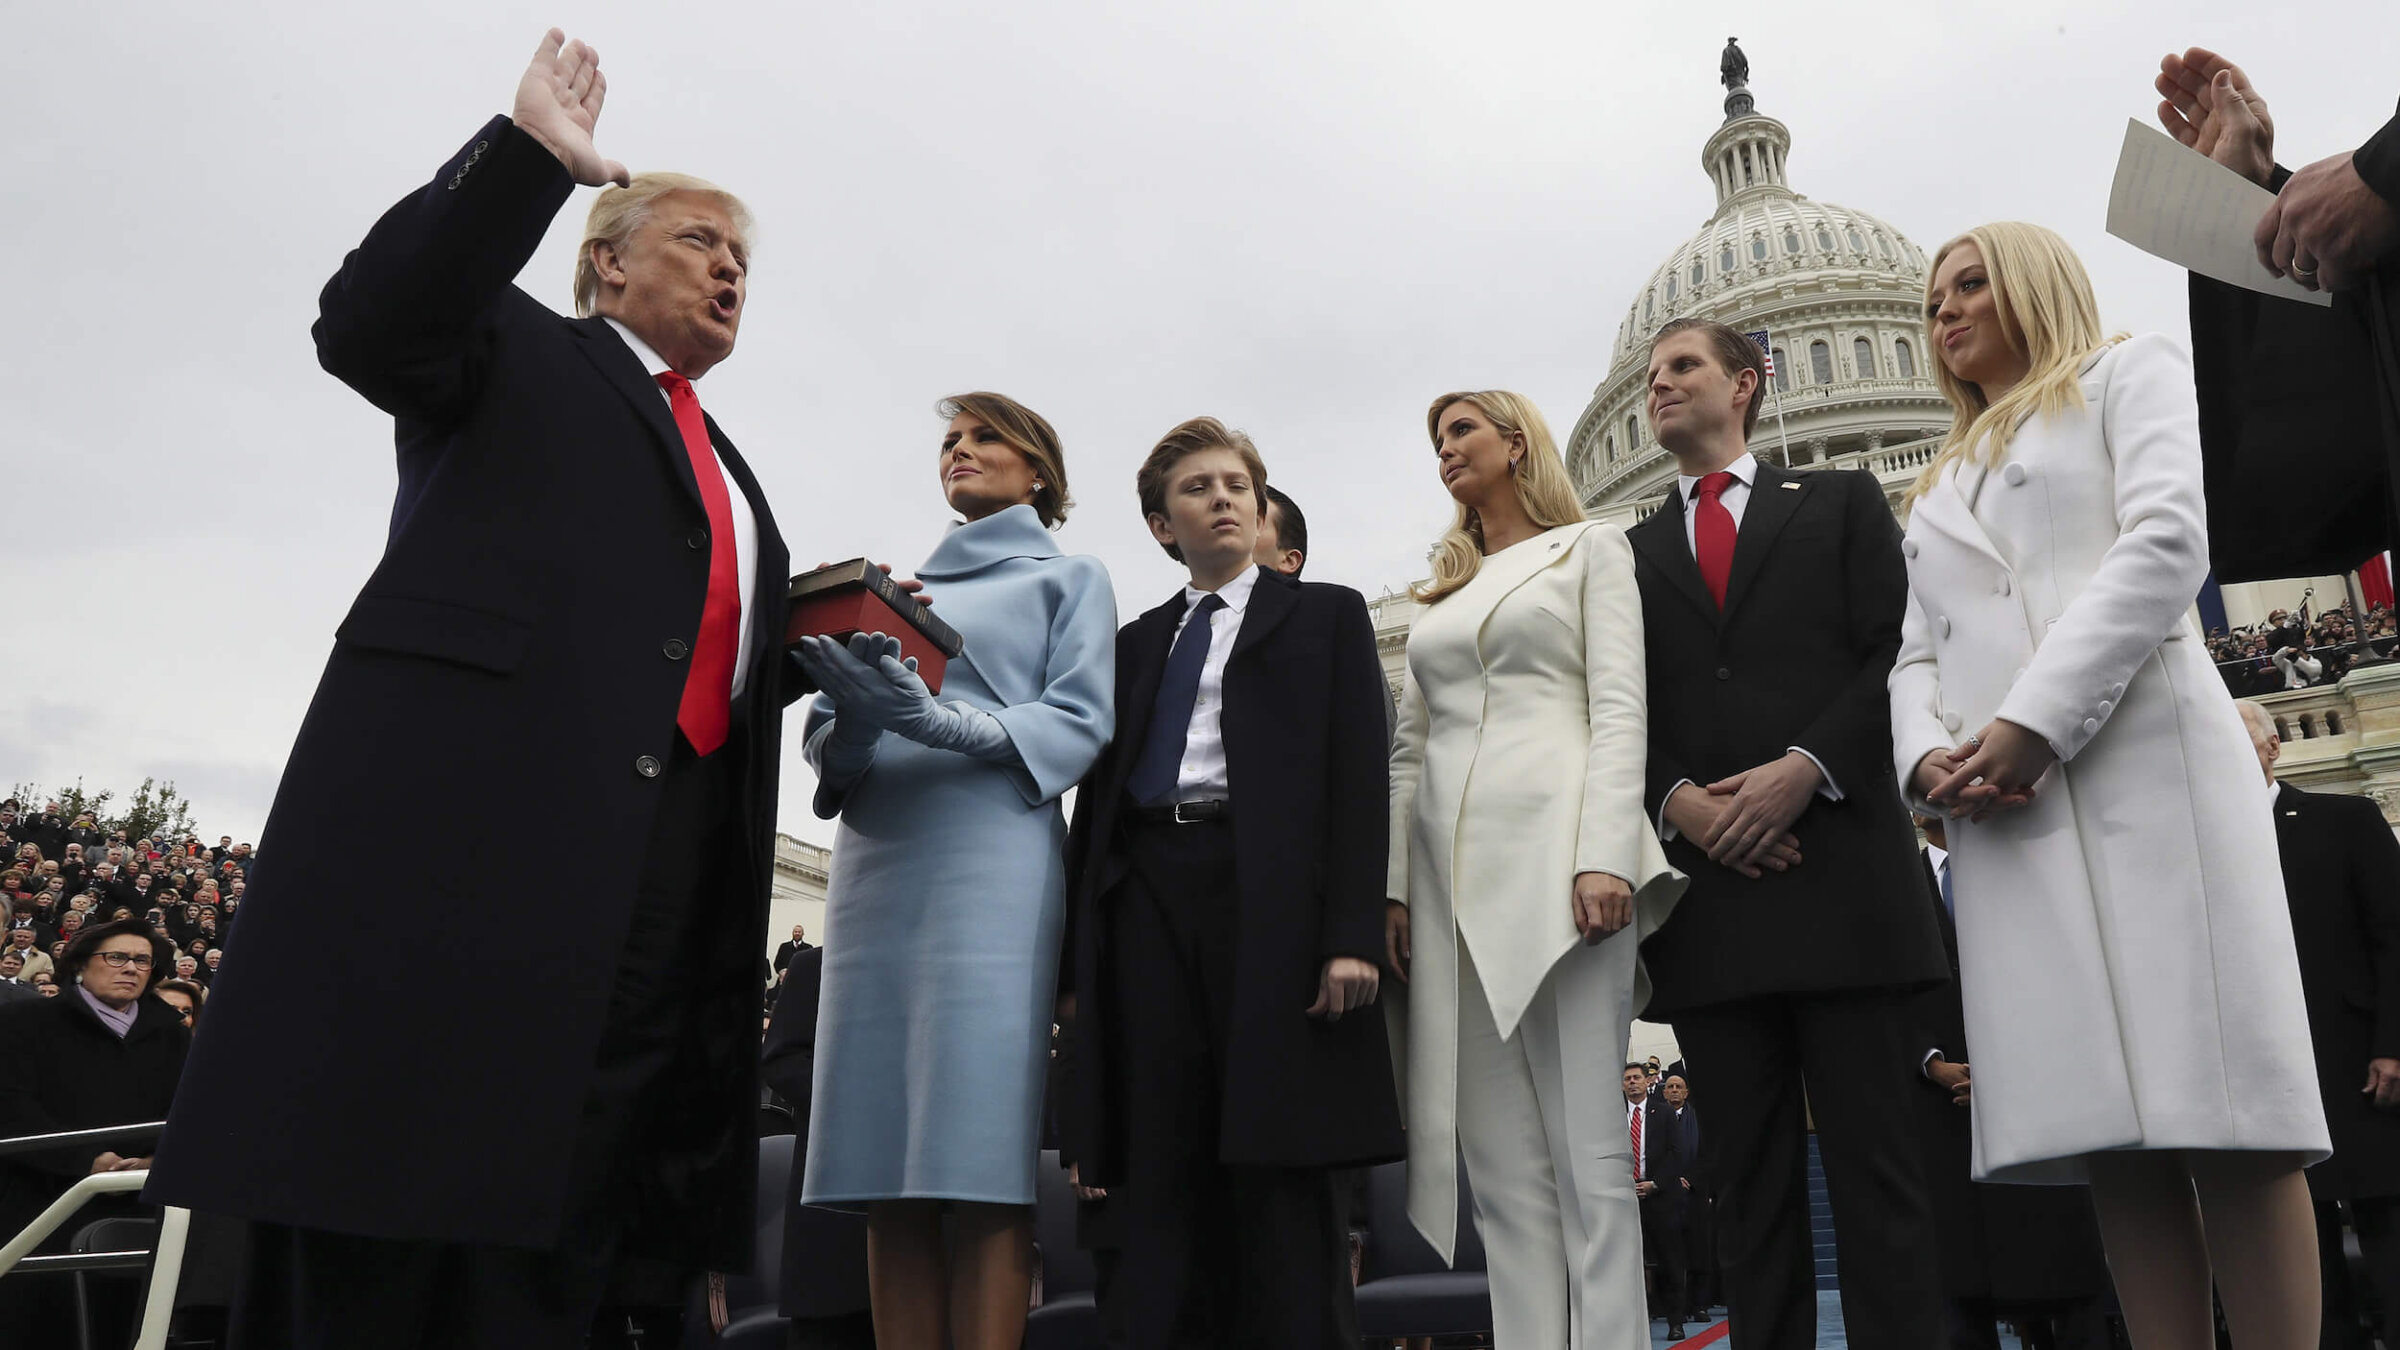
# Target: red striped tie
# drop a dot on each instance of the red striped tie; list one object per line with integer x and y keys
{"x": 707, "y": 707}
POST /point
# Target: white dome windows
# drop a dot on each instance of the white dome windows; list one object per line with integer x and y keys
{"x": 1862, "y": 355}
{"x": 1783, "y": 372}
{"x": 1906, "y": 358}
{"x": 1858, "y": 242}
{"x": 1824, "y": 239}
{"x": 1699, "y": 272}
{"x": 1725, "y": 259}
{"x": 1820, "y": 362}
{"x": 1791, "y": 240}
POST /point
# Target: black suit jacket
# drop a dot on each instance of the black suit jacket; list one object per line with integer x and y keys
{"x": 1309, "y": 779}
{"x": 522, "y": 640}
{"x": 2341, "y": 875}
{"x": 1670, "y": 1156}
{"x": 2285, "y": 385}
{"x": 1798, "y": 657}
{"x": 62, "y": 1069}
{"x": 2009, "y": 1244}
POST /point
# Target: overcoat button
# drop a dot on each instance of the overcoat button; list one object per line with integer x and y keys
{"x": 2106, "y": 707}
{"x": 2013, "y": 474}
{"x": 2004, "y": 583}
{"x": 1942, "y": 623}
{"x": 675, "y": 649}
{"x": 646, "y": 766}
{"x": 1909, "y": 547}
{"x": 1724, "y": 673}
{"x": 1949, "y": 721}
{"x": 2090, "y": 725}
{"x": 2117, "y": 690}
{"x": 696, "y": 539}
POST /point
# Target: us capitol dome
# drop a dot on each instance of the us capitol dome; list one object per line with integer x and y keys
{"x": 1837, "y": 290}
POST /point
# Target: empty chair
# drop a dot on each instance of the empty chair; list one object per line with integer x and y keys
{"x": 1069, "y": 1317}
{"x": 1404, "y": 1289}
{"x": 752, "y": 1321}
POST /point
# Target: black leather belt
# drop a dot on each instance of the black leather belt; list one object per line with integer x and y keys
{"x": 1184, "y": 813}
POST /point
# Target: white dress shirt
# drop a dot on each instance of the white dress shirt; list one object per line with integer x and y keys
{"x": 745, "y": 521}
{"x": 1734, "y": 498}
{"x": 1202, "y": 774}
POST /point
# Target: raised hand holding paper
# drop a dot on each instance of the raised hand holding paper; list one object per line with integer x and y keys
{"x": 2180, "y": 205}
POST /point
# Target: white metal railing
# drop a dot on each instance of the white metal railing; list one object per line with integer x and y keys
{"x": 166, "y": 1259}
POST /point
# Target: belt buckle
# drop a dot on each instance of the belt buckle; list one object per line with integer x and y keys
{"x": 1180, "y": 819}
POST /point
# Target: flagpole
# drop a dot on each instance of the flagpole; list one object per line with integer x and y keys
{"x": 1782, "y": 432}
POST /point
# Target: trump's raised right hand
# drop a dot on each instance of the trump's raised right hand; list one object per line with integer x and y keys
{"x": 558, "y": 102}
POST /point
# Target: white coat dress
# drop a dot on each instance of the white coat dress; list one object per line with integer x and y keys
{"x": 2125, "y": 953}
{"x": 1517, "y": 765}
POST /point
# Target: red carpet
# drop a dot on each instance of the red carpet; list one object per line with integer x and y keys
{"x": 1711, "y": 1336}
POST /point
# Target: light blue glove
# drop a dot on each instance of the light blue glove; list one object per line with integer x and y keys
{"x": 871, "y": 686}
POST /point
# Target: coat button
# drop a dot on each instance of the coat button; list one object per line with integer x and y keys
{"x": 2117, "y": 690}
{"x": 646, "y": 766}
{"x": 1949, "y": 721}
{"x": 696, "y": 539}
{"x": 2013, "y": 474}
{"x": 2004, "y": 583}
{"x": 2107, "y": 707}
{"x": 1941, "y": 624}
{"x": 2090, "y": 725}
{"x": 1724, "y": 673}
{"x": 1908, "y": 547}
{"x": 676, "y": 649}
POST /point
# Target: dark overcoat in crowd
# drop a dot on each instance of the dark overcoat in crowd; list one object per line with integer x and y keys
{"x": 2341, "y": 875}
{"x": 1797, "y": 657}
{"x": 1670, "y": 1157}
{"x": 2292, "y": 392}
{"x": 1306, "y": 764}
{"x": 513, "y": 667}
{"x": 2011, "y": 1245}
{"x": 62, "y": 1068}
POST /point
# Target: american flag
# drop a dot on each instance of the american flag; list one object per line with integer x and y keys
{"x": 1765, "y": 344}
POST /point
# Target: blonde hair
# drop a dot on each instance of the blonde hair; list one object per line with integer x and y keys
{"x": 618, "y": 211}
{"x": 2047, "y": 312}
{"x": 1543, "y": 488}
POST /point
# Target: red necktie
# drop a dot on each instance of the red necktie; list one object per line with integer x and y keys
{"x": 1638, "y": 1113}
{"x": 1712, "y": 533}
{"x": 707, "y": 707}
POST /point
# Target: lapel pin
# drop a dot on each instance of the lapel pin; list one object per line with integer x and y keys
{"x": 1791, "y": 487}
{"x": 1554, "y": 546}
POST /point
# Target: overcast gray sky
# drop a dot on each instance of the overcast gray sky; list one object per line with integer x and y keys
{"x": 1306, "y": 218}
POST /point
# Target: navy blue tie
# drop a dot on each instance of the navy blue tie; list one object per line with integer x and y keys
{"x": 1161, "y": 764}
{"x": 1949, "y": 900}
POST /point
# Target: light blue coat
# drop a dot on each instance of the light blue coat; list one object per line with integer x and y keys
{"x": 947, "y": 893}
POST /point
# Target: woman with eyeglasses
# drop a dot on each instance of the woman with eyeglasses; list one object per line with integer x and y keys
{"x": 105, "y": 1051}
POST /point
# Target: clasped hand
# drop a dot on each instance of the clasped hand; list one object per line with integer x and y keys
{"x": 1994, "y": 771}
{"x": 872, "y": 688}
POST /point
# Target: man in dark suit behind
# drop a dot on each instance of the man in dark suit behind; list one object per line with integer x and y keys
{"x": 1771, "y": 606}
{"x": 1663, "y": 1185}
{"x": 2029, "y": 1254}
{"x": 2341, "y": 875}
{"x": 578, "y": 609}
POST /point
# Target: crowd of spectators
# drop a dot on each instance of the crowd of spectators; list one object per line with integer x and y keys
{"x": 61, "y": 873}
{"x": 2293, "y": 650}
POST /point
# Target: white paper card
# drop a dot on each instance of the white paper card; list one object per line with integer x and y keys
{"x": 2179, "y": 204}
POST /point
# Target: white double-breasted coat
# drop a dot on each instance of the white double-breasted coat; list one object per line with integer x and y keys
{"x": 2129, "y": 924}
